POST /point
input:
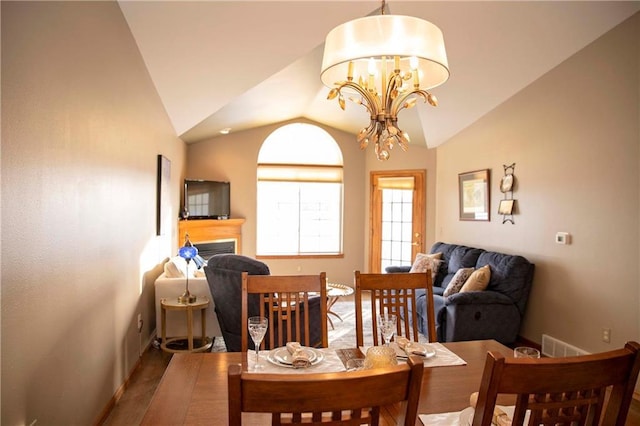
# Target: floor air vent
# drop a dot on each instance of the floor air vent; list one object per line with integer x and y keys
{"x": 557, "y": 348}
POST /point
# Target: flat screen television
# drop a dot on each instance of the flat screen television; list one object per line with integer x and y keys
{"x": 206, "y": 199}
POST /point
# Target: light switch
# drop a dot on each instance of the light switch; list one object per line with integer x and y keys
{"x": 563, "y": 238}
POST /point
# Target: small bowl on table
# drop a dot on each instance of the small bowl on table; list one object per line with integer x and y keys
{"x": 380, "y": 356}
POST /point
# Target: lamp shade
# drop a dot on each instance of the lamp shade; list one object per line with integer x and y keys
{"x": 188, "y": 252}
{"x": 389, "y": 36}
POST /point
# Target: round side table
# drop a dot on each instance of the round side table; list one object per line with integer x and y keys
{"x": 201, "y": 304}
{"x": 334, "y": 292}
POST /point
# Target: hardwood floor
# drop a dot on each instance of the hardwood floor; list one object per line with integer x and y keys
{"x": 130, "y": 408}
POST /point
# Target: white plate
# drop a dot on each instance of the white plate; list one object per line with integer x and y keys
{"x": 282, "y": 357}
{"x": 429, "y": 352}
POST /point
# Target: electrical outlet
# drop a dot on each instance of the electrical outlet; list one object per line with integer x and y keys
{"x": 563, "y": 238}
{"x": 140, "y": 323}
{"x": 606, "y": 335}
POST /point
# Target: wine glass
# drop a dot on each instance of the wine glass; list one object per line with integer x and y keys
{"x": 257, "y": 330}
{"x": 387, "y": 325}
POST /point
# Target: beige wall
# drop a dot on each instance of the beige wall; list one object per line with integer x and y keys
{"x": 82, "y": 125}
{"x": 574, "y": 136}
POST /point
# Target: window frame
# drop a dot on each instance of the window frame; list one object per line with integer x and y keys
{"x": 298, "y": 169}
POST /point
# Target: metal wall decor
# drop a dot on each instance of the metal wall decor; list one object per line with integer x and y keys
{"x": 507, "y": 185}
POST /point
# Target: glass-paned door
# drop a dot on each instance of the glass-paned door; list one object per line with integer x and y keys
{"x": 398, "y": 218}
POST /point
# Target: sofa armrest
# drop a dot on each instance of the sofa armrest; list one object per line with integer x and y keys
{"x": 486, "y": 297}
{"x": 393, "y": 269}
{"x": 478, "y": 316}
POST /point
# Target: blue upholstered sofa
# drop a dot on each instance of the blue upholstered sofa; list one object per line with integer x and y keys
{"x": 495, "y": 313}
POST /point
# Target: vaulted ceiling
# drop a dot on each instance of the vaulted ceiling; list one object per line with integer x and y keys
{"x": 244, "y": 64}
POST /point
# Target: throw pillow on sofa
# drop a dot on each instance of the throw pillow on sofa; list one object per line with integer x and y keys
{"x": 457, "y": 281}
{"x": 175, "y": 267}
{"x": 424, "y": 262}
{"x": 478, "y": 281}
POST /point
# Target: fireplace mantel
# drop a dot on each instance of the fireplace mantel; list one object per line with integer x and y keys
{"x": 204, "y": 230}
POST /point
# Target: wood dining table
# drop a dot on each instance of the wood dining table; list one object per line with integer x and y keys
{"x": 193, "y": 389}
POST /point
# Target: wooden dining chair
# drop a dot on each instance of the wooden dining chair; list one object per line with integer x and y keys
{"x": 581, "y": 390}
{"x": 394, "y": 293}
{"x": 295, "y": 305}
{"x": 342, "y": 398}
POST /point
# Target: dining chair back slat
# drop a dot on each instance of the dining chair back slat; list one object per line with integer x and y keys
{"x": 395, "y": 293}
{"x": 341, "y": 398}
{"x": 295, "y": 305}
{"x": 586, "y": 390}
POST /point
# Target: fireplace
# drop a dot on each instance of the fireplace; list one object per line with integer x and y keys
{"x": 209, "y": 248}
{"x": 212, "y": 236}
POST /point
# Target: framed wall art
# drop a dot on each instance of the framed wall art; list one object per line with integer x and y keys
{"x": 474, "y": 193}
{"x": 163, "y": 194}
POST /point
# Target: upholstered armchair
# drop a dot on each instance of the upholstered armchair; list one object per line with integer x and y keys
{"x": 224, "y": 276}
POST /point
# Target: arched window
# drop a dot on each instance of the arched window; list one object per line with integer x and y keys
{"x": 299, "y": 204}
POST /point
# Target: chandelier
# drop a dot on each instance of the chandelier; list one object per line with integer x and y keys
{"x": 388, "y": 62}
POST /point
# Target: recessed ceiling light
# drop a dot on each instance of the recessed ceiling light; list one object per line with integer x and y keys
{"x": 225, "y": 131}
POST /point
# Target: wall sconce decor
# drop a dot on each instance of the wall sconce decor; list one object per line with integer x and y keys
{"x": 507, "y": 185}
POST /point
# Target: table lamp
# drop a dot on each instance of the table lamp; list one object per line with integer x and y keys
{"x": 187, "y": 252}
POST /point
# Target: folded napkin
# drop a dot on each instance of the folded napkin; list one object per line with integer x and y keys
{"x": 299, "y": 357}
{"x": 410, "y": 347}
{"x": 500, "y": 418}
{"x": 402, "y": 341}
